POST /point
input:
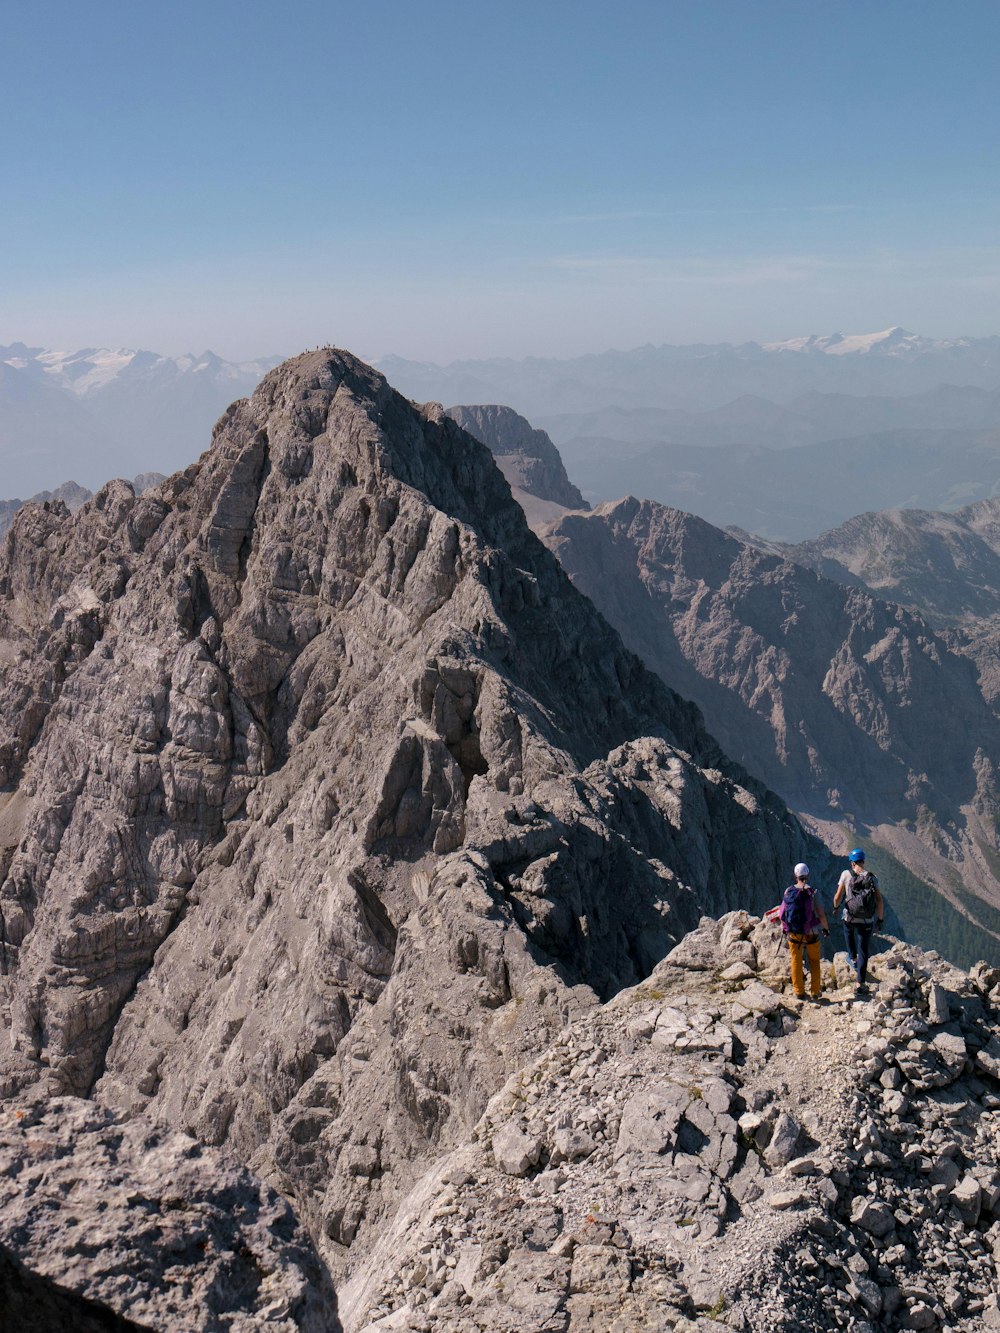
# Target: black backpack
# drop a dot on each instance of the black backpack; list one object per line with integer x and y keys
{"x": 859, "y": 903}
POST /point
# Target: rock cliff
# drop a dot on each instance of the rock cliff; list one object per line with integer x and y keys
{"x": 326, "y": 800}
{"x": 527, "y": 457}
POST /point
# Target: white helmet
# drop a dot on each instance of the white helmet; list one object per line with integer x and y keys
{"x": 802, "y": 871}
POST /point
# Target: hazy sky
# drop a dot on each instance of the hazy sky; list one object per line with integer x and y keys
{"x": 447, "y": 179}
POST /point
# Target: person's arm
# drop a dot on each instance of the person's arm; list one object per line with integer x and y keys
{"x": 839, "y": 894}
{"x": 821, "y": 914}
{"x": 879, "y": 909}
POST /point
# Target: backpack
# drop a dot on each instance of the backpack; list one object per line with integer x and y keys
{"x": 797, "y": 911}
{"x": 859, "y": 901}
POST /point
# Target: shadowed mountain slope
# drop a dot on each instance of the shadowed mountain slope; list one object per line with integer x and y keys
{"x": 835, "y": 697}
{"x": 944, "y": 565}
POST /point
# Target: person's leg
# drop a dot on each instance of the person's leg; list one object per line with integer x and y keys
{"x": 864, "y": 935}
{"x": 812, "y": 950}
{"x": 798, "y": 978}
{"x": 852, "y": 947}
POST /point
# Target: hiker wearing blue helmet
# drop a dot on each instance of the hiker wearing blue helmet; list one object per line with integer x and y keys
{"x": 864, "y": 913}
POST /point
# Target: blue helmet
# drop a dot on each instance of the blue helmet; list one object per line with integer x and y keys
{"x": 857, "y": 855}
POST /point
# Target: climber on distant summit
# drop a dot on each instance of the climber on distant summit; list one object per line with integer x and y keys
{"x": 864, "y": 913}
{"x": 802, "y": 918}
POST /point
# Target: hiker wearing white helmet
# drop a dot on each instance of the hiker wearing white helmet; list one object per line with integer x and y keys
{"x": 802, "y": 919}
{"x": 864, "y": 913}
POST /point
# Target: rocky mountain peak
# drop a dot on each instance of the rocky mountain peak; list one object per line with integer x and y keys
{"x": 527, "y": 457}
{"x": 326, "y": 797}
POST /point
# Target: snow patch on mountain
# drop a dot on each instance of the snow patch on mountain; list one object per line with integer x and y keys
{"x": 894, "y": 341}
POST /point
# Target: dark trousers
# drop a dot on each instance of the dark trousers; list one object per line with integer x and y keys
{"x": 859, "y": 935}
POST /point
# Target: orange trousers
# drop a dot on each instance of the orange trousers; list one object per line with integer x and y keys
{"x": 796, "y": 944}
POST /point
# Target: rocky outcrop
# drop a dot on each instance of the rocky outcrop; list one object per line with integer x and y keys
{"x": 139, "y": 1218}
{"x": 527, "y": 457}
{"x": 327, "y": 800}
{"x": 706, "y": 1152}
{"x": 834, "y": 696}
{"x": 34, "y": 1304}
{"x": 71, "y": 495}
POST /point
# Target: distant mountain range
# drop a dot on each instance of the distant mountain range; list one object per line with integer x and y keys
{"x": 795, "y": 493}
{"x": 100, "y": 413}
{"x": 700, "y": 377}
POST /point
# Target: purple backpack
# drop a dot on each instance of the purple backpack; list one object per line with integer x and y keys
{"x": 798, "y": 915}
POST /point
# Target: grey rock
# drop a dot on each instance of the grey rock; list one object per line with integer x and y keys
{"x": 788, "y": 1199}
{"x": 515, "y": 1153}
{"x": 31, "y": 1303}
{"x": 967, "y": 1198}
{"x": 872, "y": 1216}
{"x": 571, "y": 1145}
{"x": 784, "y": 1140}
{"x": 938, "y": 1009}
{"x": 867, "y": 1294}
{"x": 153, "y": 1225}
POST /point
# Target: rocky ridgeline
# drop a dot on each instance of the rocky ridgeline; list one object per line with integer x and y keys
{"x": 71, "y": 495}
{"x": 706, "y": 1152}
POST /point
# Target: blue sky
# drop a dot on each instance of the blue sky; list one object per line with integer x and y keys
{"x": 446, "y": 179}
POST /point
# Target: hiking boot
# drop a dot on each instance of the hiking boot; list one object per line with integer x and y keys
{"x": 801, "y": 995}
{"x": 819, "y": 999}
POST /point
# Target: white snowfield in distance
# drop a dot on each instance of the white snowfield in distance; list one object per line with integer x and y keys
{"x": 892, "y": 342}
{"x": 93, "y": 368}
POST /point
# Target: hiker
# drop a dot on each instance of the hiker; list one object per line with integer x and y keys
{"x": 864, "y": 914}
{"x": 802, "y": 918}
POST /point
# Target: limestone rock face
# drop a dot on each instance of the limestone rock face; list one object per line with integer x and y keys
{"x": 326, "y": 799}
{"x": 527, "y": 457}
{"x": 835, "y": 697}
{"x": 34, "y": 1304}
